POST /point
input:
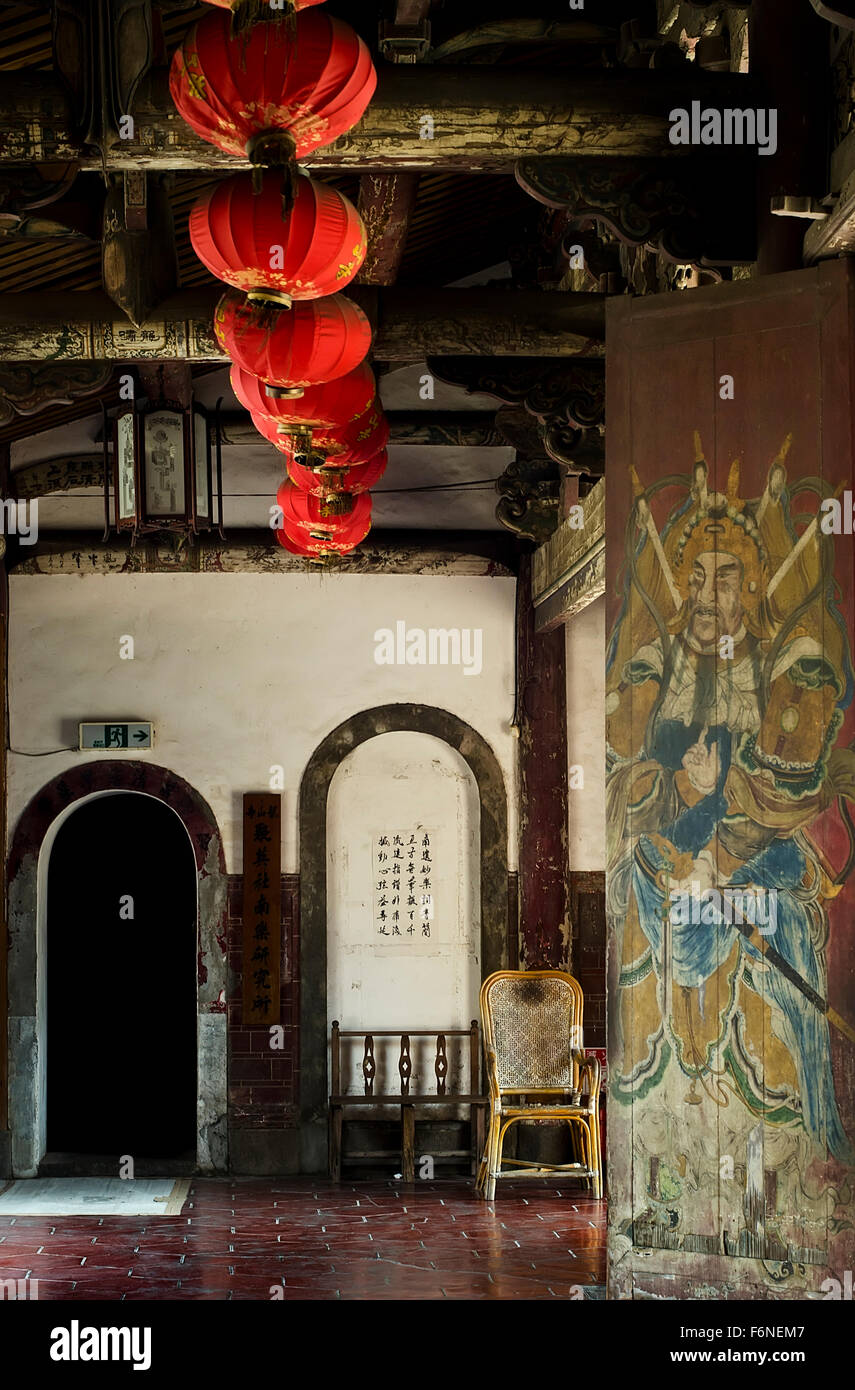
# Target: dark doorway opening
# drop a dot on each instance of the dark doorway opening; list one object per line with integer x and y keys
{"x": 121, "y": 988}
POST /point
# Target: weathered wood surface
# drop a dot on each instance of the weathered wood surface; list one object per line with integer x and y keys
{"x": 481, "y": 121}
{"x": 386, "y": 204}
{"x": 79, "y": 553}
{"x": 835, "y": 235}
{"x": 569, "y": 571}
{"x": 409, "y": 324}
{"x": 731, "y": 1046}
{"x": 544, "y": 882}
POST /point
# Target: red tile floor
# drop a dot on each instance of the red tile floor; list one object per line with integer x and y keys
{"x": 237, "y": 1238}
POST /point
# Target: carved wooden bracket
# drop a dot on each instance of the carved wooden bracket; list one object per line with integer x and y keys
{"x": 691, "y": 212}
{"x": 27, "y": 388}
{"x": 138, "y": 256}
{"x": 556, "y": 407}
{"x": 840, "y": 12}
{"x": 529, "y": 499}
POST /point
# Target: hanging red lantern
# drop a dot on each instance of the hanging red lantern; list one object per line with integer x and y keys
{"x": 338, "y": 486}
{"x": 322, "y": 447}
{"x": 244, "y": 239}
{"x": 329, "y": 481}
{"x": 332, "y": 404}
{"x": 305, "y": 517}
{"x": 317, "y": 549}
{"x": 247, "y": 12}
{"x": 276, "y": 93}
{"x": 312, "y": 342}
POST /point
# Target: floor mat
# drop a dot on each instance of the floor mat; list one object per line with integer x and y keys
{"x": 94, "y": 1197}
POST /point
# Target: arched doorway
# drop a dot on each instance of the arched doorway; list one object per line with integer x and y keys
{"x": 29, "y": 855}
{"x": 121, "y": 989}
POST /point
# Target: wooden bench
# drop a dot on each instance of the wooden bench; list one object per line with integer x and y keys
{"x": 408, "y": 1101}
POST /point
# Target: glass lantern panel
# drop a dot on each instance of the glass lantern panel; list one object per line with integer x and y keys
{"x": 203, "y": 488}
{"x": 125, "y": 466}
{"x": 164, "y": 464}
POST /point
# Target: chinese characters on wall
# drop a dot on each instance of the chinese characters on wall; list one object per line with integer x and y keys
{"x": 262, "y": 894}
{"x": 403, "y": 884}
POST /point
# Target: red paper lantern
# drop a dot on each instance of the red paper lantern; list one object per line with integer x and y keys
{"x": 278, "y": 92}
{"x": 332, "y": 404}
{"x": 324, "y": 447}
{"x": 312, "y": 342}
{"x": 245, "y": 12}
{"x": 329, "y": 482}
{"x": 305, "y": 518}
{"x": 315, "y": 249}
{"x": 317, "y": 549}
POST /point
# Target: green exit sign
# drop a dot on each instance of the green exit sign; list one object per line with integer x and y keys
{"x": 116, "y": 734}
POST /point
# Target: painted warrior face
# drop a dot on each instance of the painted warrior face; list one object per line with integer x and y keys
{"x": 715, "y": 602}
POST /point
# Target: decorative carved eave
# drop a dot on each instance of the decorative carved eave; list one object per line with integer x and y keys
{"x": 835, "y": 234}
{"x": 569, "y": 571}
{"x": 26, "y": 388}
{"x": 476, "y": 553}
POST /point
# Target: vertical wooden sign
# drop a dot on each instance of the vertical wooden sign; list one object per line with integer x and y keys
{"x": 262, "y": 914}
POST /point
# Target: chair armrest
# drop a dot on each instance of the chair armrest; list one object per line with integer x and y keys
{"x": 493, "y": 1078}
{"x": 588, "y": 1069}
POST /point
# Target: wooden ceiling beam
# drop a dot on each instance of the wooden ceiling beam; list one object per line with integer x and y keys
{"x": 408, "y": 324}
{"x": 422, "y": 117}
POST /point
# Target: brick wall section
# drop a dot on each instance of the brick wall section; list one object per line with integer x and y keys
{"x": 588, "y": 914}
{"x": 263, "y": 1082}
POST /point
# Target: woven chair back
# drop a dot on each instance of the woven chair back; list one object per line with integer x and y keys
{"x": 534, "y": 1019}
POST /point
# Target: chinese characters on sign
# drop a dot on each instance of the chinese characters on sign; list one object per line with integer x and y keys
{"x": 262, "y": 916}
{"x": 403, "y": 884}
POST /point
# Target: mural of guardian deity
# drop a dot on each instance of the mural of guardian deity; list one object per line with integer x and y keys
{"x": 728, "y": 675}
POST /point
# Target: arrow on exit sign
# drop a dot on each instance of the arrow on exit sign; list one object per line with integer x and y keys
{"x": 116, "y": 734}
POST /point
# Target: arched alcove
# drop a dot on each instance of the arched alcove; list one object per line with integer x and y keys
{"x": 29, "y": 858}
{"x": 403, "y": 902}
{"x": 493, "y": 880}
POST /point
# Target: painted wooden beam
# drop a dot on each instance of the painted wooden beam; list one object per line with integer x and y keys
{"x": 486, "y": 553}
{"x": 408, "y": 325}
{"x": 422, "y": 117}
{"x": 386, "y": 203}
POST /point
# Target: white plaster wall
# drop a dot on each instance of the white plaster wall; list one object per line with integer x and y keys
{"x": 403, "y": 782}
{"x": 241, "y": 672}
{"x": 585, "y": 650}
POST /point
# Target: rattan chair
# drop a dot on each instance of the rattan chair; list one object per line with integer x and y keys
{"x": 536, "y": 1070}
